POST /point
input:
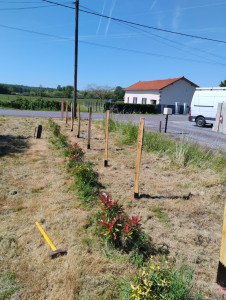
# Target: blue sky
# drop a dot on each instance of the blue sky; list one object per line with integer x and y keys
{"x": 112, "y": 53}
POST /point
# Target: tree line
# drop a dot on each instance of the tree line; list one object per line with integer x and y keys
{"x": 91, "y": 92}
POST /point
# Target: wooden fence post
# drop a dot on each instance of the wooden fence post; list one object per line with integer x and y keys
{"x": 62, "y": 110}
{"x": 78, "y": 115}
{"x": 106, "y": 138}
{"x": 72, "y": 117}
{"x": 66, "y": 112}
{"x": 89, "y": 127}
{"x": 221, "y": 273}
{"x": 138, "y": 160}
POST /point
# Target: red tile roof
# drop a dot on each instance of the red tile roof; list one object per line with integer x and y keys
{"x": 155, "y": 84}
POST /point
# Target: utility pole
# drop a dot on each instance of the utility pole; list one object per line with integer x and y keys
{"x": 76, "y": 57}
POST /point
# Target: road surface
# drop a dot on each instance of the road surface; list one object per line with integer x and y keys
{"x": 178, "y": 125}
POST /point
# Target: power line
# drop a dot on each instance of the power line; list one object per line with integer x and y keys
{"x": 150, "y": 53}
{"x": 36, "y": 32}
{"x": 140, "y": 25}
{"x": 21, "y": 8}
{"x": 151, "y": 27}
{"x": 59, "y": 4}
{"x": 19, "y": 2}
{"x": 110, "y": 47}
{"x": 164, "y": 40}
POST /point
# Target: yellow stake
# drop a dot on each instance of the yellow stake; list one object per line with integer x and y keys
{"x": 46, "y": 236}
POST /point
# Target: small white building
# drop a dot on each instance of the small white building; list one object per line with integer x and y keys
{"x": 174, "y": 92}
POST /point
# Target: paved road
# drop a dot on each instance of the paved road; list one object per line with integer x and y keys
{"x": 178, "y": 125}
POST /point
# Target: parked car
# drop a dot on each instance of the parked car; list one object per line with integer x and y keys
{"x": 204, "y": 105}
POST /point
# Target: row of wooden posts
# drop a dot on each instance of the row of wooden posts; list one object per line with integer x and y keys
{"x": 139, "y": 140}
{"x": 221, "y": 273}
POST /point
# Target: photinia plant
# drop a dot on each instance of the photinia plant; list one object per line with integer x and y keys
{"x": 75, "y": 152}
{"x": 115, "y": 225}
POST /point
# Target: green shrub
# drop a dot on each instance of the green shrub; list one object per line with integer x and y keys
{"x": 86, "y": 181}
{"x": 121, "y": 231}
{"x": 75, "y": 154}
{"x": 161, "y": 281}
{"x": 58, "y": 139}
{"x": 31, "y": 103}
{"x": 131, "y": 108}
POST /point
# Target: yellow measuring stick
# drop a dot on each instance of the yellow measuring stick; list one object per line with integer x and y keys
{"x": 46, "y": 236}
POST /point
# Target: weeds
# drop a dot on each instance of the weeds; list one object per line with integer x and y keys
{"x": 161, "y": 281}
{"x": 8, "y": 285}
{"x": 181, "y": 152}
{"x": 160, "y": 215}
{"x": 86, "y": 179}
{"x": 58, "y": 139}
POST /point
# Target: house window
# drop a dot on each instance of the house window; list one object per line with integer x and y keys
{"x": 127, "y": 99}
{"x": 134, "y": 100}
{"x": 153, "y": 101}
{"x": 144, "y": 100}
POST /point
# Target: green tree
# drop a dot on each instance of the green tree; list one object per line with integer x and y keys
{"x": 68, "y": 91}
{"x": 100, "y": 92}
{"x": 223, "y": 83}
{"x": 119, "y": 92}
{"x": 41, "y": 91}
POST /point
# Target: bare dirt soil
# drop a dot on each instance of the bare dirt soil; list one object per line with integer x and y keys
{"x": 181, "y": 209}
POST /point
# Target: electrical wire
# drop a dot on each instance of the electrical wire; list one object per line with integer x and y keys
{"x": 151, "y": 53}
{"x": 22, "y": 8}
{"x": 36, "y": 32}
{"x": 151, "y": 27}
{"x": 164, "y": 42}
{"x": 110, "y": 47}
{"x": 164, "y": 39}
{"x": 59, "y": 4}
{"x": 19, "y": 2}
{"x": 140, "y": 25}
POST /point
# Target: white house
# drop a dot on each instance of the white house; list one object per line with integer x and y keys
{"x": 174, "y": 92}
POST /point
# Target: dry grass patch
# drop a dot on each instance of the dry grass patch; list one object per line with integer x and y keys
{"x": 181, "y": 208}
{"x": 191, "y": 200}
{"x": 36, "y": 187}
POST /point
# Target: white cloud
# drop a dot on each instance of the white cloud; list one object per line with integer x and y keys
{"x": 153, "y": 4}
{"x": 98, "y": 28}
{"x": 110, "y": 14}
{"x": 176, "y": 18}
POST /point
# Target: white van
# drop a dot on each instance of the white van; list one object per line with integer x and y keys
{"x": 204, "y": 105}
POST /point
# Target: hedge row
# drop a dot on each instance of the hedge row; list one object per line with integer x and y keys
{"x": 131, "y": 108}
{"x": 32, "y": 104}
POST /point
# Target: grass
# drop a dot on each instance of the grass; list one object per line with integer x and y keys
{"x": 86, "y": 180}
{"x": 91, "y": 270}
{"x": 85, "y": 272}
{"x": 8, "y": 286}
{"x": 162, "y": 281}
{"x": 158, "y": 212}
{"x": 180, "y": 151}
